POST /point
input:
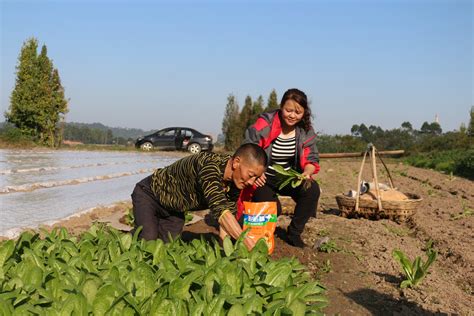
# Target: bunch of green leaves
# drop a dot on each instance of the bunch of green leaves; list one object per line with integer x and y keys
{"x": 107, "y": 272}
{"x": 466, "y": 212}
{"x": 290, "y": 176}
{"x": 329, "y": 246}
{"x": 414, "y": 271}
{"x": 129, "y": 217}
{"x": 188, "y": 217}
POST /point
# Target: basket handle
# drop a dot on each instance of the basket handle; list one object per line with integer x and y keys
{"x": 358, "y": 182}
{"x": 372, "y": 150}
{"x": 374, "y": 176}
{"x": 386, "y": 169}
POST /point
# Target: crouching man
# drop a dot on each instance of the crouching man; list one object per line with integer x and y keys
{"x": 196, "y": 182}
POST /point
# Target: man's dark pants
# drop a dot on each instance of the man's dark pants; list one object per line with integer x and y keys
{"x": 157, "y": 222}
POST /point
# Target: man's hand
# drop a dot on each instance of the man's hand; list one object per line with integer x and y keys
{"x": 230, "y": 226}
{"x": 260, "y": 182}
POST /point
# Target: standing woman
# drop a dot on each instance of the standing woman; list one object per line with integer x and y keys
{"x": 289, "y": 140}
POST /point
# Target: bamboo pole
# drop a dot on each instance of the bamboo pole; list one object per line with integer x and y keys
{"x": 358, "y": 182}
{"x": 349, "y": 155}
{"x": 375, "y": 180}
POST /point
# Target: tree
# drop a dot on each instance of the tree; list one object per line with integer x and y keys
{"x": 355, "y": 130}
{"x": 59, "y": 108}
{"x": 435, "y": 128}
{"x": 407, "y": 126}
{"x": 272, "y": 103}
{"x": 246, "y": 115}
{"x": 23, "y": 110}
{"x": 470, "y": 129}
{"x": 37, "y": 102}
{"x": 230, "y": 124}
{"x": 431, "y": 128}
{"x": 257, "y": 109}
{"x": 425, "y": 128}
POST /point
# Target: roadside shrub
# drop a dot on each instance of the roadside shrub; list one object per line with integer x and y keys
{"x": 13, "y": 136}
{"x": 458, "y": 162}
{"x": 465, "y": 166}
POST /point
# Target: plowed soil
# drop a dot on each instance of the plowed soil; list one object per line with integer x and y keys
{"x": 361, "y": 276}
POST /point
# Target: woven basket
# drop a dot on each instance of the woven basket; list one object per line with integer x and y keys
{"x": 398, "y": 211}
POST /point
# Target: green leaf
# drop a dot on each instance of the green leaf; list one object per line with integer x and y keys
{"x": 405, "y": 284}
{"x": 104, "y": 299}
{"x": 33, "y": 277}
{"x": 254, "y": 304}
{"x": 142, "y": 281}
{"x": 404, "y": 262}
{"x": 5, "y": 308}
{"x": 228, "y": 246}
{"x": 278, "y": 275}
{"x": 236, "y": 310}
{"x": 296, "y": 183}
{"x": 297, "y": 307}
{"x": 89, "y": 289}
{"x": 281, "y": 170}
{"x": 215, "y": 306}
{"x": 285, "y": 183}
{"x": 126, "y": 241}
{"x": 6, "y": 250}
{"x": 432, "y": 254}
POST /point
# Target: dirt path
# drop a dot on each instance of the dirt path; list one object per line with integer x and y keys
{"x": 362, "y": 278}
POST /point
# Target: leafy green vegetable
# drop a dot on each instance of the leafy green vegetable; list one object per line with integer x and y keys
{"x": 414, "y": 271}
{"x": 290, "y": 176}
{"x": 107, "y": 272}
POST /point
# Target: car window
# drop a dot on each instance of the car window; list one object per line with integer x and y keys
{"x": 187, "y": 133}
{"x": 168, "y": 132}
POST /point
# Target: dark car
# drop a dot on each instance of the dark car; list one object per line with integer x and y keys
{"x": 176, "y": 138}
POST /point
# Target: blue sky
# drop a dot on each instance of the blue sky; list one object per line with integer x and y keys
{"x": 153, "y": 64}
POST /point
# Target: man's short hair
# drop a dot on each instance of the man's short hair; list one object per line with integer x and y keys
{"x": 252, "y": 152}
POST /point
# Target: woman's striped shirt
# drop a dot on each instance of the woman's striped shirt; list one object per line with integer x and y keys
{"x": 283, "y": 153}
{"x": 195, "y": 183}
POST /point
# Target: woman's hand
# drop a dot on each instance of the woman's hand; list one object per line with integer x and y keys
{"x": 260, "y": 182}
{"x": 308, "y": 171}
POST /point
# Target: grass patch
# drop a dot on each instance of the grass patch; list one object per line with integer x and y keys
{"x": 400, "y": 232}
{"x": 452, "y": 162}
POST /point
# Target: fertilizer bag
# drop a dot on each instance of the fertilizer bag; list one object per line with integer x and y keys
{"x": 261, "y": 218}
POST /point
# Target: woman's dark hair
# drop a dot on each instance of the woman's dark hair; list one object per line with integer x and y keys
{"x": 299, "y": 97}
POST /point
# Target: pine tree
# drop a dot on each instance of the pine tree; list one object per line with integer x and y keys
{"x": 246, "y": 115}
{"x": 272, "y": 103}
{"x": 37, "y": 102}
{"x": 257, "y": 109}
{"x": 23, "y": 110}
{"x": 44, "y": 98}
{"x": 470, "y": 129}
{"x": 231, "y": 125}
{"x": 59, "y": 108}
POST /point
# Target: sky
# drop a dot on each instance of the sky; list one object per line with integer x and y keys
{"x": 154, "y": 64}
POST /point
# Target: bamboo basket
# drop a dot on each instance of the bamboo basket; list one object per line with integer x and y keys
{"x": 398, "y": 211}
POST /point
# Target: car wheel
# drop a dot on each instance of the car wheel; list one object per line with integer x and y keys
{"x": 147, "y": 146}
{"x": 194, "y": 148}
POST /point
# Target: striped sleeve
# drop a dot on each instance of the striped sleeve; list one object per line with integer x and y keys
{"x": 214, "y": 190}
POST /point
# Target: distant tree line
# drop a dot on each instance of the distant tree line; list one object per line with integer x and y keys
{"x": 97, "y": 133}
